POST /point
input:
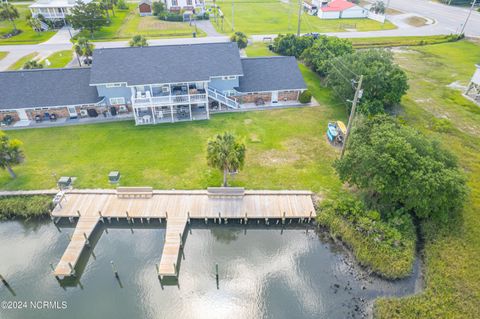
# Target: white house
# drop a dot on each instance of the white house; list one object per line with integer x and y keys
{"x": 179, "y": 5}
{"x": 53, "y": 9}
{"x": 341, "y": 9}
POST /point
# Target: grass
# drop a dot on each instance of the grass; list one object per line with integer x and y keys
{"x": 286, "y": 149}
{"x": 25, "y": 207}
{"x": 128, "y": 23}
{"x": 451, "y": 250}
{"x": 3, "y": 54}
{"x": 28, "y": 35}
{"x": 59, "y": 59}
{"x": 20, "y": 62}
{"x": 275, "y": 16}
{"x": 400, "y": 41}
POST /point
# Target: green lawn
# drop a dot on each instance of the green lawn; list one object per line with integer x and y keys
{"x": 3, "y": 54}
{"x": 128, "y": 23}
{"x": 383, "y": 42}
{"x": 285, "y": 149}
{"x": 20, "y": 62}
{"x": 452, "y": 251}
{"x": 28, "y": 35}
{"x": 59, "y": 59}
{"x": 275, "y": 16}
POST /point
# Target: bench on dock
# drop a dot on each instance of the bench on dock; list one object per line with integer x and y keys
{"x": 226, "y": 191}
{"x": 134, "y": 192}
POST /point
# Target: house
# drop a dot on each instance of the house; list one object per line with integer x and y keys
{"x": 145, "y": 8}
{"x": 53, "y": 9}
{"x": 185, "y": 5}
{"x": 147, "y": 84}
{"x": 341, "y": 9}
{"x": 473, "y": 89}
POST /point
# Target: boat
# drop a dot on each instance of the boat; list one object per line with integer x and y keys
{"x": 332, "y": 132}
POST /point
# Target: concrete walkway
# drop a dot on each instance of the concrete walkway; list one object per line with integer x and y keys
{"x": 208, "y": 28}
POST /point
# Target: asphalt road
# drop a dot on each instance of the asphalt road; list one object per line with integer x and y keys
{"x": 446, "y": 19}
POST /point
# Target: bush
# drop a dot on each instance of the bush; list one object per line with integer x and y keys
{"x": 170, "y": 16}
{"x": 158, "y": 8}
{"x": 122, "y": 5}
{"x": 387, "y": 247}
{"x": 25, "y": 207}
{"x": 240, "y": 38}
{"x": 305, "y": 97}
{"x": 291, "y": 45}
{"x": 204, "y": 16}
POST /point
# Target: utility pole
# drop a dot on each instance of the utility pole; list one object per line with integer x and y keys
{"x": 358, "y": 95}
{"x": 299, "y": 16}
{"x": 468, "y": 17}
{"x": 233, "y": 15}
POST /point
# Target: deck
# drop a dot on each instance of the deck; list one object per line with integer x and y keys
{"x": 177, "y": 208}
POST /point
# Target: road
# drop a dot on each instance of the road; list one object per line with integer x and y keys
{"x": 447, "y": 20}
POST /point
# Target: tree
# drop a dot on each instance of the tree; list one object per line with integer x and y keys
{"x": 122, "y": 5}
{"x": 10, "y": 153}
{"x": 240, "y": 38}
{"x": 291, "y": 45}
{"x": 83, "y": 48}
{"x": 378, "y": 7}
{"x": 138, "y": 41}
{"x": 384, "y": 82}
{"x": 324, "y": 50}
{"x": 106, "y": 5}
{"x": 396, "y": 167}
{"x": 158, "y": 8}
{"x": 32, "y": 64}
{"x": 87, "y": 17}
{"x": 226, "y": 154}
{"x": 35, "y": 24}
{"x": 10, "y": 13}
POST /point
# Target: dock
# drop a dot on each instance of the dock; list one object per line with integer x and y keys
{"x": 177, "y": 208}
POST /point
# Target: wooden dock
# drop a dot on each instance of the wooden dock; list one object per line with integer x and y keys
{"x": 79, "y": 239}
{"x": 177, "y": 208}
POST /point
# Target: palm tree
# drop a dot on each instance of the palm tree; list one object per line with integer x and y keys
{"x": 10, "y": 153}
{"x": 9, "y": 12}
{"x": 226, "y": 154}
{"x": 83, "y": 48}
{"x": 138, "y": 41}
{"x": 32, "y": 64}
{"x": 105, "y": 5}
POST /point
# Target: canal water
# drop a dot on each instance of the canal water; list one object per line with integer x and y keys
{"x": 264, "y": 272}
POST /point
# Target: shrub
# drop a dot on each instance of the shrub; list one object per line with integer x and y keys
{"x": 240, "y": 38}
{"x": 387, "y": 247}
{"x": 122, "y": 5}
{"x": 170, "y": 16}
{"x": 305, "y": 97}
{"x": 158, "y": 8}
{"x": 25, "y": 207}
{"x": 291, "y": 45}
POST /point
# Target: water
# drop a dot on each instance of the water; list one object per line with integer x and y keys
{"x": 264, "y": 272}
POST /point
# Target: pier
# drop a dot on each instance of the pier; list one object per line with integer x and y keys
{"x": 177, "y": 208}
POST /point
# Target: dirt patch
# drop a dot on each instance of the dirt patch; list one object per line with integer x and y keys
{"x": 292, "y": 151}
{"x": 254, "y": 138}
{"x": 416, "y": 21}
{"x": 247, "y": 121}
{"x": 152, "y": 23}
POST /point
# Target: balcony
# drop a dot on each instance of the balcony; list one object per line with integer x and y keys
{"x": 151, "y": 101}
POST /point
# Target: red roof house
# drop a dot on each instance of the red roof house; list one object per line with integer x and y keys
{"x": 337, "y": 9}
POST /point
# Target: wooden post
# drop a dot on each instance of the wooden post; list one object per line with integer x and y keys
{"x": 51, "y": 266}
{"x": 219, "y": 218}
{"x": 166, "y": 215}
{"x": 86, "y": 239}
{"x": 72, "y": 270}
{"x": 246, "y": 218}
{"x": 4, "y": 281}
{"x": 181, "y": 241}
{"x": 128, "y": 217}
{"x": 283, "y": 218}
{"x": 266, "y": 221}
{"x": 206, "y": 220}
{"x": 188, "y": 217}
{"x": 175, "y": 268}
{"x": 115, "y": 272}
{"x": 78, "y": 213}
{"x": 69, "y": 237}
{"x": 158, "y": 270}
{"x": 310, "y": 217}
{"x": 216, "y": 271}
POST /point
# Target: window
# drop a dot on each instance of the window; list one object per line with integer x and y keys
{"x": 230, "y": 77}
{"x": 113, "y": 85}
{"x": 189, "y": 2}
{"x": 117, "y": 100}
{"x": 174, "y": 3}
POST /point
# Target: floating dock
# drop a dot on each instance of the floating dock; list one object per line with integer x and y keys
{"x": 176, "y": 208}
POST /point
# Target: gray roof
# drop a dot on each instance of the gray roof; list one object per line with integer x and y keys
{"x": 46, "y": 87}
{"x": 271, "y": 74}
{"x": 165, "y": 64}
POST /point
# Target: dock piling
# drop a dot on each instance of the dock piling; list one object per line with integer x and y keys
{"x": 206, "y": 220}
{"x": 4, "y": 281}
{"x": 114, "y": 269}
{"x": 78, "y": 213}
{"x": 310, "y": 217}
{"x": 72, "y": 270}
{"x": 181, "y": 240}
{"x": 188, "y": 217}
{"x": 87, "y": 242}
{"x": 283, "y": 218}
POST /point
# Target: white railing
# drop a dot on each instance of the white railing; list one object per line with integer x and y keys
{"x": 168, "y": 100}
{"x": 222, "y": 98}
